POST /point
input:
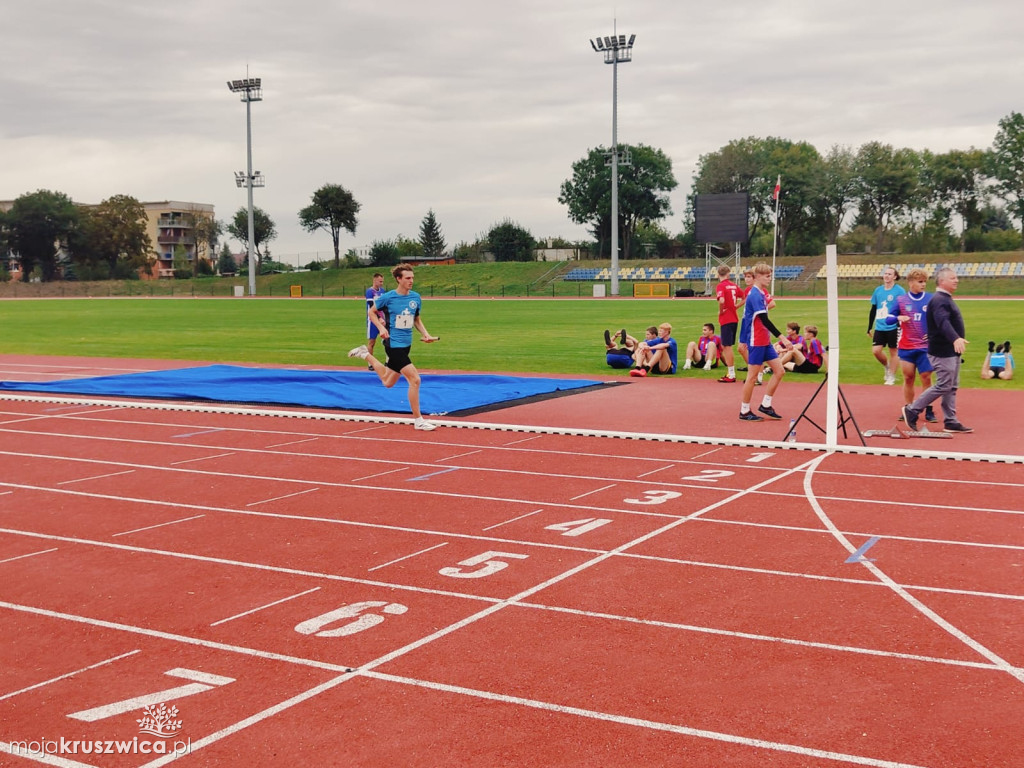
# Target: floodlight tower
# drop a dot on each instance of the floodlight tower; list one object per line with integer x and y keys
{"x": 615, "y": 49}
{"x": 251, "y": 89}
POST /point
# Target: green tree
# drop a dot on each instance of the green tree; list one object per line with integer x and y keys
{"x": 263, "y": 231}
{"x": 113, "y": 234}
{"x": 180, "y": 263}
{"x": 207, "y": 231}
{"x": 955, "y": 183}
{"x": 1007, "y": 163}
{"x": 802, "y": 172}
{"x": 39, "y": 226}
{"x": 384, "y": 253}
{"x": 226, "y": 261}
{"x": 644, "y": 185}
{"x": 430, "y": 236}
{"x": 510, "y": 242}
{"x": 333, "y": 209}
{"x": 838, "y": 190}
{"x": 887, "y": 183}
{"x": 408, "y": 250}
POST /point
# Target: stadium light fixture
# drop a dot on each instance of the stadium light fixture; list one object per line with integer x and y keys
{"x": 616, "y": 50}
{"x": 249, "y": 89}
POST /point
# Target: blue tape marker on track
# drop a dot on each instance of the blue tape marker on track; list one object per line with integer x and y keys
{"x": 424, "y": 477}
{"x": 857, "y": 556}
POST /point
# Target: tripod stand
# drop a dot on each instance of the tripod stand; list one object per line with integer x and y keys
{"x": 843, "y": 417}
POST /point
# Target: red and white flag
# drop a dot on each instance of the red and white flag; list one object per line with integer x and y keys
{"x": 778, "y": 186}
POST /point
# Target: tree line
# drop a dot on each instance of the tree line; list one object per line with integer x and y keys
{"x": 52, "y": 237}
{"x": 876, "y": 198}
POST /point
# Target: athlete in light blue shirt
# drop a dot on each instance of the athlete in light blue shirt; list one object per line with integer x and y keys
{"x": 395, "y": 314}
{"x": 883, "y": 332}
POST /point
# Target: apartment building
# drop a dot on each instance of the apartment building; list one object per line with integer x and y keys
{"x": 170, "y": 225}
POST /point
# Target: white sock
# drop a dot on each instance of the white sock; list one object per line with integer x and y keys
{"x": 767, "y": 402}
{"x": 744, "y": 407}
{"x": 732, "y": 371}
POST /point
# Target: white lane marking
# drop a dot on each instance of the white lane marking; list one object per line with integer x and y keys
{"x": 406, "y": 557}
{"x": 262, "y": 607}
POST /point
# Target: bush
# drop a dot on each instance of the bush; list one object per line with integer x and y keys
{"x": 994, "y": 240}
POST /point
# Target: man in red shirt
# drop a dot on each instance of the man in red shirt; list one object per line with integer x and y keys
{"x": 730, "y": 296}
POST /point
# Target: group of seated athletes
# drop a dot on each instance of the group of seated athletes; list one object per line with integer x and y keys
{"x": 657, "y": 353}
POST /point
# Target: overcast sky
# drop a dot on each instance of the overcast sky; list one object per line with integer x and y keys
{"x": 475, "y": 109}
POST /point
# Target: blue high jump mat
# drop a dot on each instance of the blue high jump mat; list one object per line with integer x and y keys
{"x": 441, "y": 394}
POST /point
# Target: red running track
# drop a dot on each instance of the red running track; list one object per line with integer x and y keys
{"x": 352, "y": 594}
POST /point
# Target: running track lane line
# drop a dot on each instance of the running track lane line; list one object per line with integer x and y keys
{"x": 879, "y": 574}
{"x": 381, "y": 421}
{"x": 367, "y": 669}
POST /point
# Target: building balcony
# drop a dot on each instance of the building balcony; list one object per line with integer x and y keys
{"x": 174, "y": 221}
{"x": 171, "y": 238}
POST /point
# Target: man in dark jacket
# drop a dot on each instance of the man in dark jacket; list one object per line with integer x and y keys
{"x": 946, "y": 343}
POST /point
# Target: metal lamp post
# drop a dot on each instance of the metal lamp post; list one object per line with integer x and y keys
{"x": 615, "y": 49}
{"x": 251, "y": 90}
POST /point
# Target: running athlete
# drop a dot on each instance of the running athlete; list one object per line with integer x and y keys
{"x": 884, "y": 333}
{"x": 372, "y": 293}
{"x": 395, "y": 314}
{"x": 910, "y": 311}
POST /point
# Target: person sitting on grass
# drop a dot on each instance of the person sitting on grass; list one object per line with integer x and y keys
{"x": 794, "y": 338}
{"x": 621, "y": 356}
{"x": 658, "y": 355}
{"x": 809, "y": 357}
{"x": 703, "y": 353}
{"x": 998, "y": 362}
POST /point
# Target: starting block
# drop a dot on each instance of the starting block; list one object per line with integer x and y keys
{"x": 898, "y": 434}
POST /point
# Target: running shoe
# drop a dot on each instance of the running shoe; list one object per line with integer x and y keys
{"x": 956, "y": 426}
{"x": 1006, "y": 347}
{"x": 768, "y": 411}
{"x": 991, "y": 346}
{"x": 728, "y": 380}
{"x": 607, "y": 338}
{"x": 929, "y": 415}
{"x": 424, "y": 426}
{"x": 910, "y": 418}
{"x": 750, "y": 416}
{"x": 622, "y": 337}
{"x": 361, "y": 352}
{"x": 638, "y": 373}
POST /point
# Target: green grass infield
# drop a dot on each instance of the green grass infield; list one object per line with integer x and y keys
{"x": 562, "y": 336}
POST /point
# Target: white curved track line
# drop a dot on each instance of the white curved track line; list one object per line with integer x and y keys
{"x": 998, "y": 661}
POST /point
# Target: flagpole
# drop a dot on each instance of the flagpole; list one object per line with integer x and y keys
{"x": 775, "y": 238}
